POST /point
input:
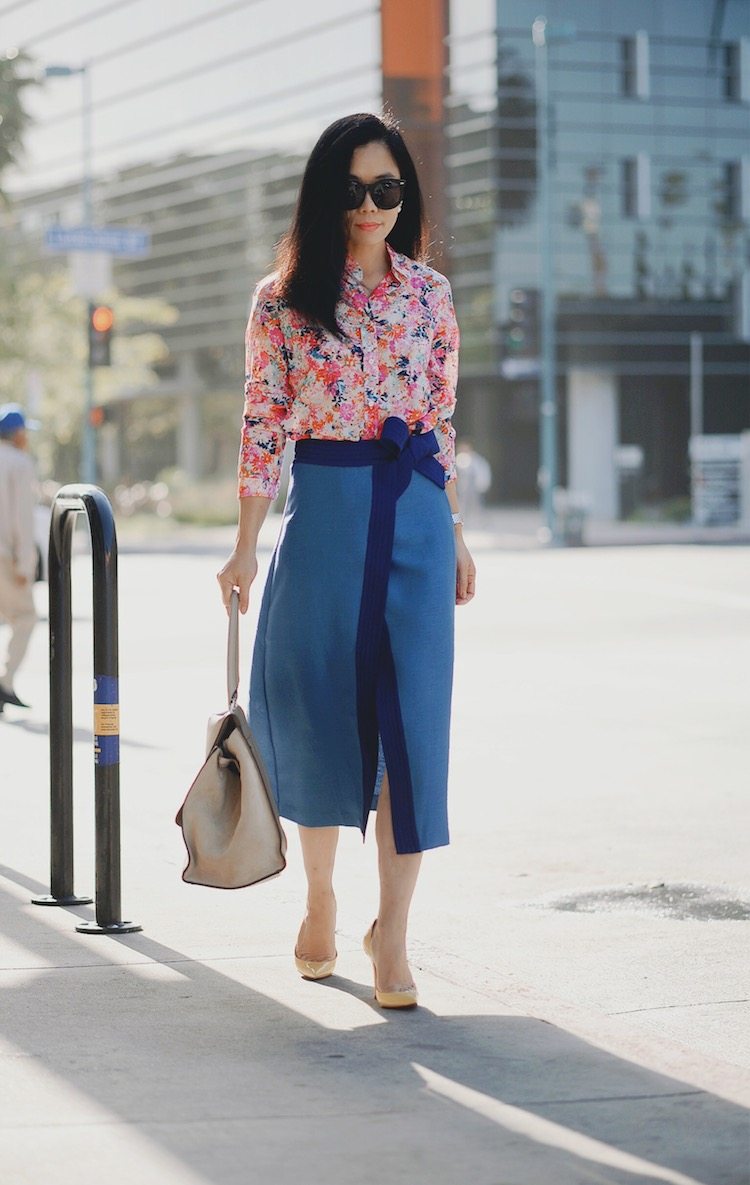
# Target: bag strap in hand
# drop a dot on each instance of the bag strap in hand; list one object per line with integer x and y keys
{"x": 233, "y": 649}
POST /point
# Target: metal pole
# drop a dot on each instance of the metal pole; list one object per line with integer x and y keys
{"x": 72, "y": 500}
{"x": 548, "y": 388}
{"x": 61, "y": 712}
{"x": 696, "y": 384}
{"x": 88, "y": 451}
{"x": 106, "y": 718}
{"x": 88, "y": 438}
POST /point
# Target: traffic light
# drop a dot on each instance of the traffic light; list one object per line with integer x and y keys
{"x": 101, "y": 323}
{"x": 101, "y": 414}
{"x": 521, "y": 332}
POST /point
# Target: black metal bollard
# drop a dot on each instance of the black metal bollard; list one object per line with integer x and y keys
{"x": 70, "y": 501}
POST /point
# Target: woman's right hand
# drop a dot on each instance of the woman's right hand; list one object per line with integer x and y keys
{"x": 238, "y": 572}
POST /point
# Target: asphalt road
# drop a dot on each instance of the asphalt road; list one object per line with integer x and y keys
{"x": 581, "y": 947}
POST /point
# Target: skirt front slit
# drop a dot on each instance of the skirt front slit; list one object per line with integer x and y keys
{"x": 352, "y": 665}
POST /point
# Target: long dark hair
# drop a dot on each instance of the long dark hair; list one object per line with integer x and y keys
{"x": 311, "y": 255}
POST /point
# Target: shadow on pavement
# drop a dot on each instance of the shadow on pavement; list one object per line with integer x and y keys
{"x": 237, "y": 1086}
{"x": 82, "y": 735}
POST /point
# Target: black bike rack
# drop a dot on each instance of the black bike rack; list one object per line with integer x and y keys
{"x": 71, "y": 501}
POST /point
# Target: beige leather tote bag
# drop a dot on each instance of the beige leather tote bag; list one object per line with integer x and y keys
{"x": 229, "y": 819}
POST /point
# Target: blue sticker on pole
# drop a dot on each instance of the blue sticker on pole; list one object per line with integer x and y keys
{"x": 106, "y": 720}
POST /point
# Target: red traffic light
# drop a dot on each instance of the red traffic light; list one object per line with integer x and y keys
{"x": 102, "y": 319}
{"x": 101, "y": 323}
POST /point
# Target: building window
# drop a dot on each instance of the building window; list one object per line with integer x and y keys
{"x": 735, "y": 70}
{"x": 736, "y": 204}
{"x": 634, "y": 66}
{"x": 636, "y": 186}
{"x": 730, "y": 73}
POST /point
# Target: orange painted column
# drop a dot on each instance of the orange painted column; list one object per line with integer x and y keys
{"x": 414, "y": 61}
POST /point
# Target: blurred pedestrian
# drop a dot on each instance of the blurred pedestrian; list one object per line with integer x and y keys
{"x": 474, "y": 480}
{"x": 352, "y": 352}
{"x": 18, "y": 552}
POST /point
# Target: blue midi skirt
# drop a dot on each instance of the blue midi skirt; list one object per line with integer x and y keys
{"x": 352, "y": 665}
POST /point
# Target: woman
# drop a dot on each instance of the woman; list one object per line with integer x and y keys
{"x": 352, "y": 352}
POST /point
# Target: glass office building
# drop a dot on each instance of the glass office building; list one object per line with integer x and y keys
{"x": 649, "y": 120}
{"x": 650, "y": 133}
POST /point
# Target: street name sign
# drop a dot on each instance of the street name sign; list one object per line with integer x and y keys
{"x": 112, "y": 240}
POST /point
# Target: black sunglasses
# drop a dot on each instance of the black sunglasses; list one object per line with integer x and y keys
{"x": 386, "y": 194}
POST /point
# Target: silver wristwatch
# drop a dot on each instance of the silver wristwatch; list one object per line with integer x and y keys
{"x": 457, "y": 519}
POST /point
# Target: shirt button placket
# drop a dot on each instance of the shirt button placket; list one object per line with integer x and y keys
{"x": 370, "y": 357}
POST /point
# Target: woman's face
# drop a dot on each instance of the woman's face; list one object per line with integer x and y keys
{"x": 368, "y": 224}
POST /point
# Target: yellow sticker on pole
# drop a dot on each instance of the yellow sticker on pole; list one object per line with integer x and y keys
{"x": 106, "y": 720}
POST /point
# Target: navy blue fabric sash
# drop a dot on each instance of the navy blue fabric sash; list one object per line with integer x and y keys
{"x": 394, "y": 458}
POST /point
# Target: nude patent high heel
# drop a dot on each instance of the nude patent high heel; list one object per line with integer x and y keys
{"x": 403, "y": 998}
{"x": 313, "y": 968}
{"x": 309, "y": 969}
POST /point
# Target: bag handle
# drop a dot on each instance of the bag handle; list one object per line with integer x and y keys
{"x": 233, "y": 649}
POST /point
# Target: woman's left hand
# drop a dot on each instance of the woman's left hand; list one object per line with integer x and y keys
{"x": 466, "y": 573}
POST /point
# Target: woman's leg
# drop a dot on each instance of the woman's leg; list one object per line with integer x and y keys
{"x": 316, "y": 940}
{"x": 398, "y": 877}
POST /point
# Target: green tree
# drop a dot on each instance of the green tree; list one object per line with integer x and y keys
{"x": 16, "y": 74}
{"x": 43, "y": 355}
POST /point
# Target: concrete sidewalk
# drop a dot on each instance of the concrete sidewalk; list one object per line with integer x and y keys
{"x": 520, "y": 527}
{"x": 553, "y": 1044}
{"x": 512, "y": 528}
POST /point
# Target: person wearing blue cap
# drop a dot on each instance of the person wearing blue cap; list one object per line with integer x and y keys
{"x": 18, "y": 556}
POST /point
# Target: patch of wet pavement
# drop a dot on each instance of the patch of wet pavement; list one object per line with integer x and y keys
{"x": 703, "y": 903}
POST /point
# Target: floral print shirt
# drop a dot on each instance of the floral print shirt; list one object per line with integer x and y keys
{"x": 401, "y": 358}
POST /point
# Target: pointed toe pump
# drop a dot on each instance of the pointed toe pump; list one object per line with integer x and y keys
{"x": 313, "y": 968}
{"x": 402, "y": 997}
{"x": 310, "y": 969}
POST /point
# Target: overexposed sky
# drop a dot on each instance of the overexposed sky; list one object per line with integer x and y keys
{"x": 195, "y": 75}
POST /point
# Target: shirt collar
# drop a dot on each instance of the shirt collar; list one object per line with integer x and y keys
{"x": 353, "y": 273}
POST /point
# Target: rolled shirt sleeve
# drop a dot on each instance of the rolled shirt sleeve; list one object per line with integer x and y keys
{"x": 443, "y": 375}
{"x": 267, "y": 397}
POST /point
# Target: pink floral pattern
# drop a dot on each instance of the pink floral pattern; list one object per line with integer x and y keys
{"x": 401, "y": 358}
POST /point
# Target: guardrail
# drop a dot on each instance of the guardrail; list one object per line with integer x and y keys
{"x": 71, "y": 501}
